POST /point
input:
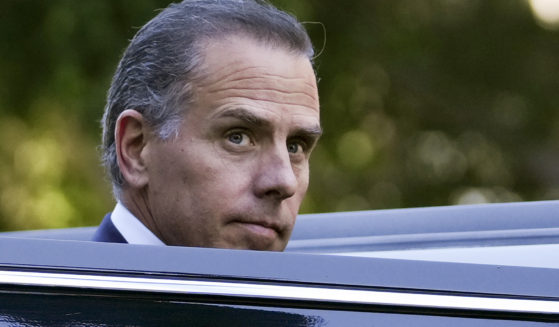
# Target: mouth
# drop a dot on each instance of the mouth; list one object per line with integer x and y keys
{"x": 260, "y": 228}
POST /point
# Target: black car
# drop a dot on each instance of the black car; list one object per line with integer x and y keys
{"x": 480, "y": 265}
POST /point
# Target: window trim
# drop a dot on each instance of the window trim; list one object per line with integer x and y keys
{"x": 297, "y": 293}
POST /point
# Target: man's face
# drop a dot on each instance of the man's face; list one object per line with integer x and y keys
{"x": 239, "y": 169}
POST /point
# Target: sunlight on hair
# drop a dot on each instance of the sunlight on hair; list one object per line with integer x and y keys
{"x": 546, "y": 12}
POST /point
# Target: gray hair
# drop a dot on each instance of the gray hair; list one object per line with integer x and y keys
{"x": 156, "y": 72}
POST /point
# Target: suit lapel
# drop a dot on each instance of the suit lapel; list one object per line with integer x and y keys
{"x": 107, "y": 232}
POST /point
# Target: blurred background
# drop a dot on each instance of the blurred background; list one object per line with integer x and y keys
{"x": 432, "y": 102}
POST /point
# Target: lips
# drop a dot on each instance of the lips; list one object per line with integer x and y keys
{"x": 262, "y": 228}
{"x": 261, "y": 231}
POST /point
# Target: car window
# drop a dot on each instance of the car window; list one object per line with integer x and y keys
{"x": 94, "y": 310}
{"x": 540, "y": 255}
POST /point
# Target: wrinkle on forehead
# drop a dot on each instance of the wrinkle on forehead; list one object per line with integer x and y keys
{"x": 269, "y": 95}
{"x": 256, "y": 72}
{"x": 271, "y": 83}
{"x": 269, "y": 88}
{"x": 241, "y": 67}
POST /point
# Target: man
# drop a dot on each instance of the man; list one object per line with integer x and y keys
{"x": 210, "y": 121}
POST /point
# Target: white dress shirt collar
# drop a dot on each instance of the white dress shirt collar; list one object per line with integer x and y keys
{"x": 133, "y": 230}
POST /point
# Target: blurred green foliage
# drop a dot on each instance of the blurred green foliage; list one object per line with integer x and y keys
{"x": 430, "y": 102}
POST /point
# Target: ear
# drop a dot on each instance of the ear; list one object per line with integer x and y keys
{"x": 131, "y": 135}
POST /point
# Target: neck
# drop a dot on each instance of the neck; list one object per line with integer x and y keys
{"x": 137, "y": 202}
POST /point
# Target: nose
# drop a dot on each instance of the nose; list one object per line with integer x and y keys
{"x": 275, "y": 176}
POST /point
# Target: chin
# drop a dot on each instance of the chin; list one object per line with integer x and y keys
{"x": 256, "y": 245}
{"x": 272, "y": 247}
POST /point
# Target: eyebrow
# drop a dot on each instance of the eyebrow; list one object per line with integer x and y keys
{"x": 252, "y": 119}
{"x": 245, "y": 116}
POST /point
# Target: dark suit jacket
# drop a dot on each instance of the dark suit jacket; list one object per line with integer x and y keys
{"x": 107, "y": 232}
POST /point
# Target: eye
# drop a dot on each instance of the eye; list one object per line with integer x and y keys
{"x": 239, "y": 138}
{"x": 294, "y": 147}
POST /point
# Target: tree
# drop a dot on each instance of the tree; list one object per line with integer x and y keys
{"x": 423, "y": 103}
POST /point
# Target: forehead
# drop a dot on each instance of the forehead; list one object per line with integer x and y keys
{"x": 240, "y": 68}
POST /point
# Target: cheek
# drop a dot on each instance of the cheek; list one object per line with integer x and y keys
{"x": 172, "y": 173}
{"x": 212, "y": 177}
{"x": 302, "y": 186}
{"x": 302, "y": 173}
